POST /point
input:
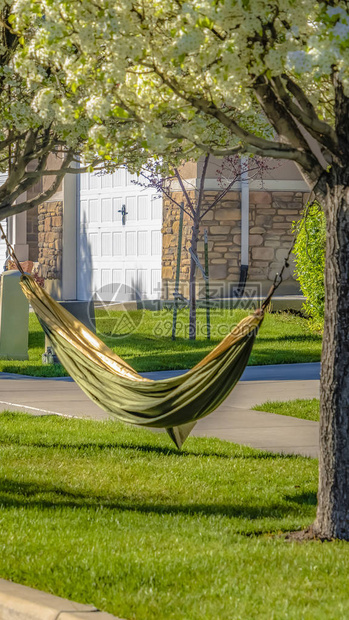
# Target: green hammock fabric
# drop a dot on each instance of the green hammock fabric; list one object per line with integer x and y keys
{"x": 174, "y": 404}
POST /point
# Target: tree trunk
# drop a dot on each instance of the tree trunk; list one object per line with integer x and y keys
{"x": 192, "y": 282}
{"x": 332, "y": 520}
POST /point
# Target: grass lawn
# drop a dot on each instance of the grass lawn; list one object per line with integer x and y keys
{"x": 283, "y": 338}
{"x": 308, "y": 409}
{"x": 112, "y": 515}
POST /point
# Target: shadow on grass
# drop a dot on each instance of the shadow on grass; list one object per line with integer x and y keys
{"x": 263, "y": 356}
{"x": 95, "y": 447}
{"x": 37, "y": 370}
{"x": 29, "y": 494}
{"x": 32, "y": 432}
{"x": 185, "y": 353}
{"x": 291, "y": 338}
{"x": 37, "y": 336}
{"x": 308, "y": 499}
{"x": 140, "y": 343}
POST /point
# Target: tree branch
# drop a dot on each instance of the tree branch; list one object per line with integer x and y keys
{"x": 28, "y": 181}
{"x": 252, "y": 143}
{"x": 180, "y": 180}
{"x": 219, "y": 152}
{"x": 178, "y": 204}
{"x": 6, "y": 209}
{"x": 202, "y": 183}
{"x": 300, "y": 96}
{"x": 278, "y": 114}
{"x": 321, "y": 131}
{"x": 35, "y": 174}
{"x": 211, "y": 109}
{"x": 17, "y": 171}
{"x": 220, "y": 196}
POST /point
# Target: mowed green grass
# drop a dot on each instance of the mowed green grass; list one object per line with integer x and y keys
{"x": 117, "y": 517}
{"x": 307, "y": 409}
{"x": 283, "y": 338}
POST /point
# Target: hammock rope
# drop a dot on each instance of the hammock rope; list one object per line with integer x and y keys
{"x": 175, "y": 404}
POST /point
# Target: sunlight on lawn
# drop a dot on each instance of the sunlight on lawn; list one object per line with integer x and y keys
{"x": 115, "y": 516}
{"x": 283, "y": 338}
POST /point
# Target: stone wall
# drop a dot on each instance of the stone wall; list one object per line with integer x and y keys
{"x": 50, "y": 230}
{"x": 271, "y": 217}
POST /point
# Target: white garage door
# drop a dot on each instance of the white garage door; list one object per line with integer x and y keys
{"x": 118, "y": 255}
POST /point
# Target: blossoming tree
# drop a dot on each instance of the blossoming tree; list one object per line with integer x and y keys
{"x": 46, "y": 128}
{"x": 266, "y": 77}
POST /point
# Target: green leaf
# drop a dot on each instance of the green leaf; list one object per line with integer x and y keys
{"x": 204, "y": 22}
{"x": 120, "y": 112}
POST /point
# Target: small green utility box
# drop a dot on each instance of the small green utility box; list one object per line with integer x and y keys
{"x": 14, "y": 318}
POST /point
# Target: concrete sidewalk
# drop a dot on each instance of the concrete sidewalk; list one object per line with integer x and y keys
{"x": 269, "y": 372}
{"x": 19, "y": 602}
{"x": 233, "y": 420}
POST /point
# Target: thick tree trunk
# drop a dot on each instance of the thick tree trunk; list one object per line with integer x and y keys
{"x": 192, "y": 283}
{"x": 332, "y": 519}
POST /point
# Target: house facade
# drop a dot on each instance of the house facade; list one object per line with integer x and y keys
{"x": 103, "y": 234}
{"x": 249, "y": 231}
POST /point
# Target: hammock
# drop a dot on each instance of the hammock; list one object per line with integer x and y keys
{"x": 174, "y": 404}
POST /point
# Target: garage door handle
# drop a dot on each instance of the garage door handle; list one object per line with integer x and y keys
{"x": 123, "y": 214}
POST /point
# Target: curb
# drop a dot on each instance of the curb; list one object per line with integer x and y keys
{"x": 297, "y": 371}
{"x": 19, "y": 602}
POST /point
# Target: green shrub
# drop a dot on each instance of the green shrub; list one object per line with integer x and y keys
{"x": 310, "y": 262}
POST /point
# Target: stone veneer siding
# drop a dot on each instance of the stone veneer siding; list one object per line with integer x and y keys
{"x": 50, "y": 230}
{"x": 271, "y": 217}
